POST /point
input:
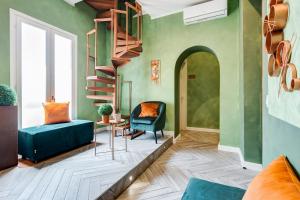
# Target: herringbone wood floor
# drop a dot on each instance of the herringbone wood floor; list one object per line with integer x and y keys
{"x": 77, "y": 174}
{"x": 194, "y": 155}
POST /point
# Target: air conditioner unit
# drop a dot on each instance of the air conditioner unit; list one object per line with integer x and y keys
{"x": 209, "y": 10}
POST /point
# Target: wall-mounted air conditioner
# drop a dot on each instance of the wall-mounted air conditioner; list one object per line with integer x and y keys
{"x": 209, "y": 10}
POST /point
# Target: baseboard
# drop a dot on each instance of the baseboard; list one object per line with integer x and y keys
{"x": 246, "y": 164}
{"x": 207, "y": 130}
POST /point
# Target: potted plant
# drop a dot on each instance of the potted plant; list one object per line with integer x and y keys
{"x": 9, "y": 127}
{"x": 105, "y": 111}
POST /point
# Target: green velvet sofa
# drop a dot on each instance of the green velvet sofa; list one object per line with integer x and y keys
{"x": 41, "y": 142}
{"x": 199, "y": 189}
{"x": 152, "y": 124}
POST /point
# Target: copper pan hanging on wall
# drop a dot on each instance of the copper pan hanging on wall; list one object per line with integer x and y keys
{"x": 278, "y": 16}
{"x": 283, "y": 53}
{"x": 272, "y": 40}
{"x": 289, "y": 87}
{"x": 295, "y": 84}
{"x": 273, "y": 68}
{"x": 274, "y": 2}
{"x": 266, "y": 27}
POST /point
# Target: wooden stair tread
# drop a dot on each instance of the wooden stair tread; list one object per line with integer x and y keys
{"x": 128, "y": 54}
{"x": 129, "y": 47}
{"x": 109, "y": 70}
{"x": 100, "y": 97}
{"x": 122, "y": 35}
{"x": 101, "y": 89}
{"x": 123, "y": 42}
{"x": 119, "y": 62}
{"x": 101, "y": 79}
{"x": 105, "y": 14}
{"x": 102, "y": 19}
{"x": 101, "y": 4}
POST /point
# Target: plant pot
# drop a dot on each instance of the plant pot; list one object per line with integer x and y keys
{"x": 8, "y": 136}
{"x": 105, "y": 119}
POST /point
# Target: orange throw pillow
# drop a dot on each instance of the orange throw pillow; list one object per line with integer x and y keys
{"x": 149, "y": 110}
{"x": 277, "y": 181}
{"x": 56, "y": 112}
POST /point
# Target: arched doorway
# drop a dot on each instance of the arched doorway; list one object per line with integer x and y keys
{"x": 182, "y": 59}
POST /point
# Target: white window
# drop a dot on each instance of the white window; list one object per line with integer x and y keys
{"x": 43, "y": 67}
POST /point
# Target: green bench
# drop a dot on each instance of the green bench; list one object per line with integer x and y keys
{"x": 41, "y": 142}
{"x": 199, "y": 189}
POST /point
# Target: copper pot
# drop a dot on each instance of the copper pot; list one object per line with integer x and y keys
{"x": 288, "y": 86}
{"x": 295, "y": 84}
{"x": 278, "y": 16}
{"x": 266, "y": 27}
{"x": 274, "y": 2}
{"x": 273, "y": 68}
{"x": 272, "y": 40}
{"x": 283, "y": 53}
{"x": 105, "y": 119}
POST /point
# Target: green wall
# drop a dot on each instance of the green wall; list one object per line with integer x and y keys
{"x": 280, "y": 137}
{"x": 252, "y": 92}
{"x": 166, "y": 39}
{"x": 203, "y": 91}
{"x": 77, "y": 20}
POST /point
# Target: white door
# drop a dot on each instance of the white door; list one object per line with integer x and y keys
{"x": 44, "y": 67}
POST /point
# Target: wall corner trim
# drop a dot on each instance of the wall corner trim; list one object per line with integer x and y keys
{"x": 246, "y": 164}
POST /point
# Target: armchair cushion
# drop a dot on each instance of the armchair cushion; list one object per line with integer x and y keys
{"x": 149, "y": 109}
{"x": 144, "y": 120}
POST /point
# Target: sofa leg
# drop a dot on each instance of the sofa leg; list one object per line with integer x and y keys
{"x": 162, "y": 133}
{"x": 155, "y": 137}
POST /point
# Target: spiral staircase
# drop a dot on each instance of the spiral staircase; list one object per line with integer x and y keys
{"x": 102, "y": 81}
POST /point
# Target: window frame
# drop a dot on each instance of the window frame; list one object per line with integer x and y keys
{"x": 16, "y": 19}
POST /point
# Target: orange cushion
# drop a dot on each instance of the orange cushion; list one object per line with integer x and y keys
{"x": 56, "y": 112}
{"x": 149, "y": 110}
{"x": 277, "y": 181}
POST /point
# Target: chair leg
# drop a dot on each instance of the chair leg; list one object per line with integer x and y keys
{"x": 162, "y": 133}
{"x": 155, "y": 137}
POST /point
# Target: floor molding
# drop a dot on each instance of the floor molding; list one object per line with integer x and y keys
{"x": 207, "y": 130}
{"x": 246, "y": 164}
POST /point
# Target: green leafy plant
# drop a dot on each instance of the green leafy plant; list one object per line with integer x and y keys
{"x": 8, "y": 96}
{"x": 105, "y": 109}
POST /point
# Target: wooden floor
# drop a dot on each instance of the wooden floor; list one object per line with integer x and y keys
{"x": 194, "y": 155}
{"x": 77, "y": 174}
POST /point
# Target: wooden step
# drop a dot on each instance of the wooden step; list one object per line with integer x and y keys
{"x": 109, "y": 70}
{"x": 101, "y": 79}
{"x": 129, "y": 47}
{"x": 123, "y": 42}
{"x": 119, "y": 62}
{"x": 101, "y": 4}
{"x": 100, "y": 97}
{"x": 128, "y": 54}
{"x": 102, "y": 19}
{"x": 105, "y": 14}
{"x": 101, "y": 89}
{"x": 122, "y": 35}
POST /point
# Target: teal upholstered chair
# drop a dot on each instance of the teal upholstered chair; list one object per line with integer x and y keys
{"x": 152, "y": 124}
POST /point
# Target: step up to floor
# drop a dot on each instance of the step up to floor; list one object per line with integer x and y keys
{"x": 101, "y": 89}
{"x": 100, "y": 97}
{"x": 109, "y": 70}
{"x": 101, "y": 79}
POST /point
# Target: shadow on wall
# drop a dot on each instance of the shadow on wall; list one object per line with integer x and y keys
{"x": 184, "y": 55}
{"x": 232, "y": 5}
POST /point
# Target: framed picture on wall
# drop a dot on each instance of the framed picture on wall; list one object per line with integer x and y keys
{"x": 155, "y": 71}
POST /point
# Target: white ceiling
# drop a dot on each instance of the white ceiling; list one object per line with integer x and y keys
{"x": 161, "y": 8}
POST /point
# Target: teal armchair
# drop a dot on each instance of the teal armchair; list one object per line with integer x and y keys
{"x": 152, "y": 124}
